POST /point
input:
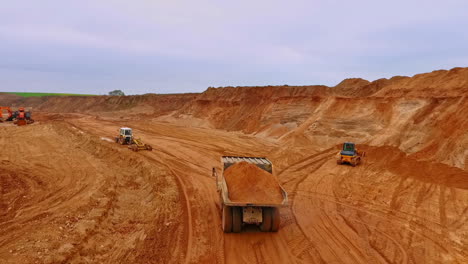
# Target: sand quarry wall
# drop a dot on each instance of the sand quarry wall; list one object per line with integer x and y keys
{"x": 423, "y": 115}
{"x": 159, "y": 104}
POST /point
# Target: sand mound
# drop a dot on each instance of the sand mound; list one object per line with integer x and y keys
{"x": 441, "y": 83}
{"x": 249, "y": 183}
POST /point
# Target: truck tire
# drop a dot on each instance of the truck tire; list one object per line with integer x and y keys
{"x": 227, "y": 219}
{"x": 265, "y": 226}
{"x": 236, "y": 219}
{"x": 275, "y": 219}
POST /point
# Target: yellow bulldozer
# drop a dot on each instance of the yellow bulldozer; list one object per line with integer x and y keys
{"x": 350, "y": 154}
{"x": 126, "y": 138}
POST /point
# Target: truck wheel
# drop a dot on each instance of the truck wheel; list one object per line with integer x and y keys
{"x": 236, "y": 219}
{"x": 227, "y": 219}
{"x": 275, "y": 219}
{"x": 339, "y": 162}
{"x": 265, "y": 226}
{"x": 116, "y": 140}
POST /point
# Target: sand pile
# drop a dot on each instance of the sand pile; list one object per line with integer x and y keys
{"x": 248, "y": 183}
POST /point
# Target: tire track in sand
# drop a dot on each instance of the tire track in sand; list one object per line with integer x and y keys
{"x": 187, "y": 210}
{"x": 302, "y": 248}
{"x": 92, "y": 127}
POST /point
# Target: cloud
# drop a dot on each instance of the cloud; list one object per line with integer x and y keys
{"x": 58, "y": 35}
{"x": 186, "y": 45}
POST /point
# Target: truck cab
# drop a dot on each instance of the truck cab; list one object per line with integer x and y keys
{"x": 349, "y": 154}
{"x": 349, "y": 149}
{"x": 125, "y": 136}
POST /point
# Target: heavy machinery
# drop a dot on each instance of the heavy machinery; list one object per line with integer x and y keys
{"x": 139, "y": 145}
{"x": 237, "y": 214}
{"x": 22, "y": 117}
{"x": 10, "y": 114}
{"x": 126, "y": 138}
{"x": 350, "y": 154}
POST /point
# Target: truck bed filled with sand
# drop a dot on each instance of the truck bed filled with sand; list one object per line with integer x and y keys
{"x": 248, "y": 183}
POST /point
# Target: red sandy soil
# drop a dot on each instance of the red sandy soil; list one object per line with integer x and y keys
{"x": 248, "y": 183}
{"x": 68, "y": 195}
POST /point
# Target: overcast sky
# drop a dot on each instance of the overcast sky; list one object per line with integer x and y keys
{"x": 151, "y": 46}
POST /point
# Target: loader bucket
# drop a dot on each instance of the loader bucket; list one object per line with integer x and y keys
{"x": 21, "y": 122}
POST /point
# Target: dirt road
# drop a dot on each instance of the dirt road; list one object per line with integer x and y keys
{"x": 69, "y": 195}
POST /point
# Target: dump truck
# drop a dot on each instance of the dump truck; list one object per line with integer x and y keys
{"x": 236, "y": 214}
{"x": 126, "y": 138}
{"x": 349, "y": 154}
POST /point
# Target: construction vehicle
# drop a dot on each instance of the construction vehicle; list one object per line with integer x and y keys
{"x": 237, "y": 214}
{"x": 10, "y": 113}
{"x": 139, "y": 145}
{"x": 22, "y": 117}
{"x": 126, "y": 138}
{"x": 350, "y": 155}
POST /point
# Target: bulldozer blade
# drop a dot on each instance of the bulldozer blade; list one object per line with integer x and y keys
{"x": 21, "y": 122}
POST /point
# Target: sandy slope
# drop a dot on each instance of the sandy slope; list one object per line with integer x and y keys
{"x": 70, "y": 197}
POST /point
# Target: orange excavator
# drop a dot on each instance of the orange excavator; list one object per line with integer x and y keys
{"x": 10, "y": 114}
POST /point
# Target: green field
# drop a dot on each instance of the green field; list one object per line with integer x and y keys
{"x": 46, "y": 94}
